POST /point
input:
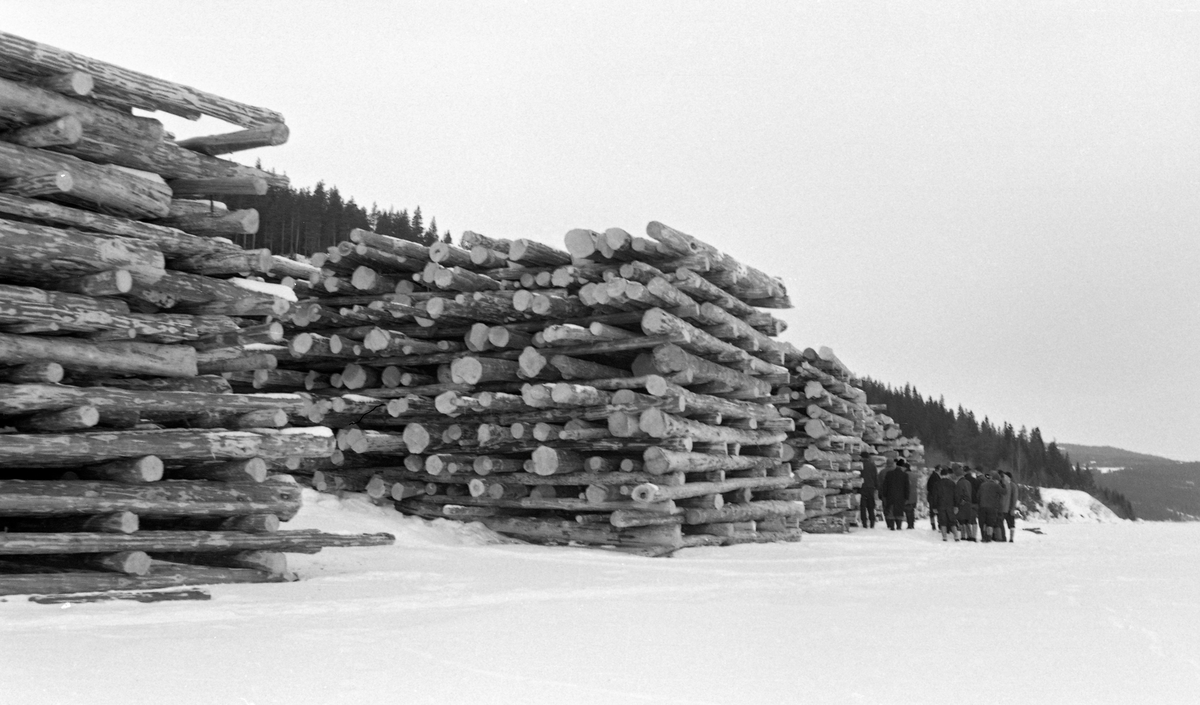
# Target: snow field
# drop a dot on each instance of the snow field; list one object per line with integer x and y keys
{"x": 1096, "y": 613}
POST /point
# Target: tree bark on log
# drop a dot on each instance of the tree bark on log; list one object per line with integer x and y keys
{"x": 36, "y": 253}
{"x": 18, "y": 544}
{"x": 30, "y": 498}
{"x": 26, "y": 58}
{"x": 68, "y": 449}
{"x": 650, "y": 493}
{"x": 131, "y": 358}
{"x": 95, "y": 185}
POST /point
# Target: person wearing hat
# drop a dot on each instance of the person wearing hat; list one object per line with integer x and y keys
{"x": 990, "y": 502}
{"x": 914, "y": 491}
{"x": 945, "y": 505}
{"x": 895, "y": 494}
{"x": 964, "y": 508}
{"x": 866, "y": 493}
{"x": 931, "y": 488}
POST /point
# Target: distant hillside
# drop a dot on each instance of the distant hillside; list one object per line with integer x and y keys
{"x": 1107, "y": 456}
{"x": 1160, "y": 489}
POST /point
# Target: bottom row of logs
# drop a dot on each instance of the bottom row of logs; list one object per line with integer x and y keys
{"x": 76, "y": 536}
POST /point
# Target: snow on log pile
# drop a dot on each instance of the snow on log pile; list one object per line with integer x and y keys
{"x": 625, "y": 392}
{"x": 126, "y": 458}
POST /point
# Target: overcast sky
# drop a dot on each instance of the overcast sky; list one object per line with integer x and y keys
{"x": 997, "y": 203}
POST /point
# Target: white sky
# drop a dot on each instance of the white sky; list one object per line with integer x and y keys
{"x": 999, "y": 207}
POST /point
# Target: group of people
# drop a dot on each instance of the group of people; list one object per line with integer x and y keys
{"x": 966, "y": 503}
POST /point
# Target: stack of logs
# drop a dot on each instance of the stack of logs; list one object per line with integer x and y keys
{"x": 126, "y": 458}
{"x": 625, "y": 392}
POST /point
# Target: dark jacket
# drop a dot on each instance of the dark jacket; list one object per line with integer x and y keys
{"x": 931, "y": 488}
{"x": 990, "y": 493}
{"x": 945, "y": 494}
{"x": 976, "y": 483}
{"x": 870, "y": 476}
{"x": 963, "y": 491}
{"x": 895, "y": 486}
{"x": 914, "y": 486}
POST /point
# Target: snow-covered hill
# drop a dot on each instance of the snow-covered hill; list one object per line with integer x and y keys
{"x": 1060, "y": 506}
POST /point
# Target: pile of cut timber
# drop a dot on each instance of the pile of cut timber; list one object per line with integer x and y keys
{"x": 126, "y": 324}
{"x": 625, "y": 392}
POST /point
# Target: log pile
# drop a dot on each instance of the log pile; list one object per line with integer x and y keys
{"x": 624, "y": 392}
{"x": 834, "y": 426}
{"x": 616, "y": 393}
{"x": 128, "y": 322}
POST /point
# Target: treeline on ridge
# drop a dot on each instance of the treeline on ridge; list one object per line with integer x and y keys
{"x": 304, "y": 221}
{"x": 957, "y": 436}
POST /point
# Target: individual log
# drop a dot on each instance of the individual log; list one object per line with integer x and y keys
{"x": 658, "y": 461}
{"x": 562, "y": 531}
{"x": 92, "y": 184}
{"x": 112, "y": 523}
{"x": 75, "y": 418}
{"x": 749, "y": 511}
{"x": 535, "y": 254}
{"x": 35, "y": 253}
{"x": 269, "y": 134}
{"x": 182, "y": 498}
{"x": 650, "y": 493}
{"x": 170, "y": 241}
{"x": 24, "y": 544}
{"x": 67, "y": 449}
{"x": 270, "y": 562}
{"x": 63, "y": 131}
{"x": 231, "y": 224}
{"x": 147, "y": 468}
{"x": 161, "y": 575}
{"x": 248, "y": 470}
{"x": 476, "y": 370}
{"x": 552, "y": 461}
{"x": 672, "y": 359}
{"x": 123, "y": 86}
{"x": 164, "y": 405}
{"x": 109, "y": 357}
{"x": 660, "y": 424}
{"x": 26, "y": 103}
{"x": 33, "y": 373}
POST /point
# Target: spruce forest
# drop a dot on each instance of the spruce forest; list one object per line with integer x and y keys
{"x": 303, "y": 221}
{"x": 958, "y": 436}
{"x": 309, "y": 220}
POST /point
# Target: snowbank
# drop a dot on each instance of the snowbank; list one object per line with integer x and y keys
{"x": 1062, "y": 506}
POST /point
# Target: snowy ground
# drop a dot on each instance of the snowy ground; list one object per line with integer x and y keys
{"x": 1086, "y": 613}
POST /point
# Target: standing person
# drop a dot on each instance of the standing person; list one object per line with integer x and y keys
{"x": 931, "y": 486}
{"x": 1011, "y": 516}
{"x": 945, "y": 505}
{"x": 866, "y": 493}
{"x": 895, "y": 491}
{"x": 963, "y": 492}
{"x": 1002, "y": 477}
{"x": 914, "y": 491}
{"x": 883, "y": 501}
{"x": 976, "y": 482}
{"x": 990, "y": 493}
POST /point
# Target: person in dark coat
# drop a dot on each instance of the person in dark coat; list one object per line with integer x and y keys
{"x": 914, "y": 491}
{"x": 1009, "y": 506}
{"x": 990, "y": 494}
{"x": 963, "y": 508}
{"x": 866, "y": 493}
{"x": 976, "y": 476}
{"x": 945, "y": 505}
{"x": 930, "y": 490}
{"x": 895, "y": 493}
